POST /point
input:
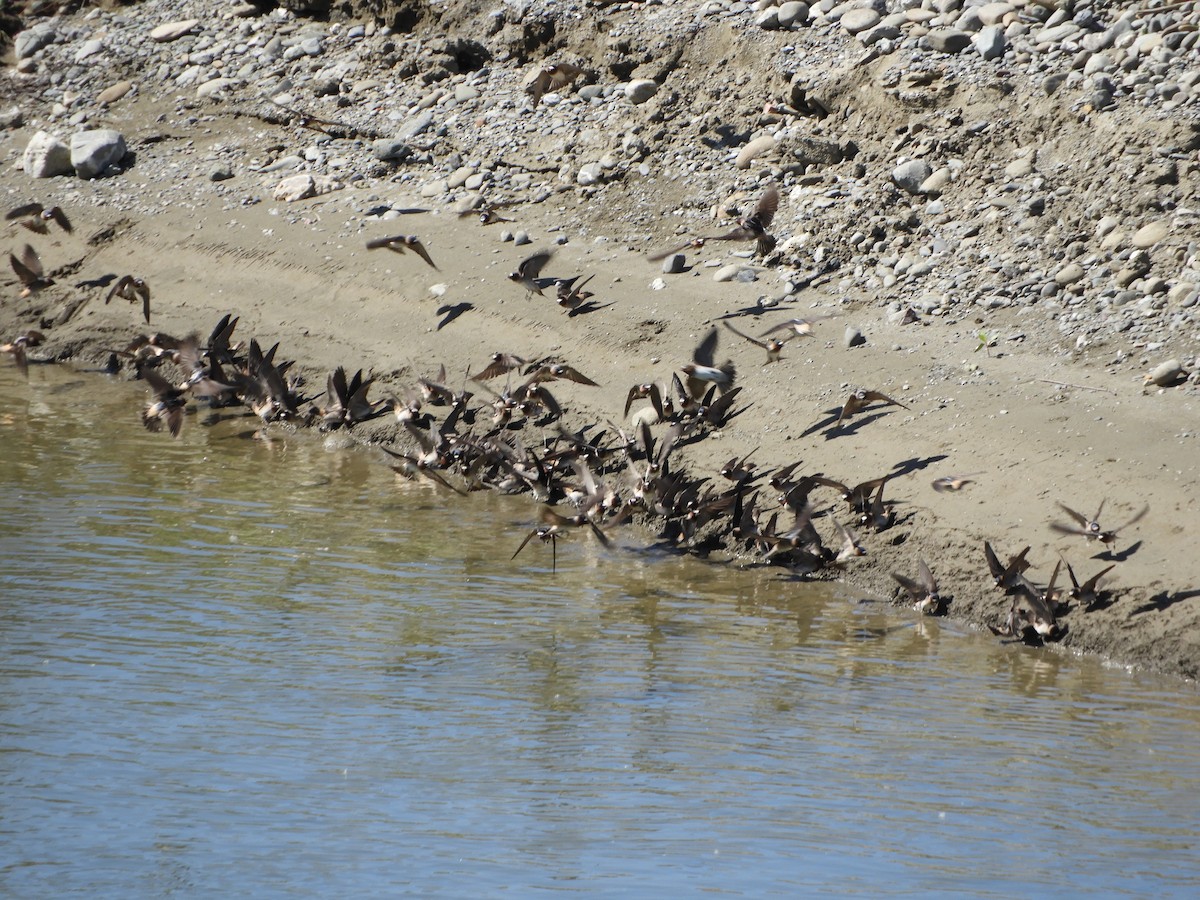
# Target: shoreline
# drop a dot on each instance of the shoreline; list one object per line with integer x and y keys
{"x": 1043, "y": 416}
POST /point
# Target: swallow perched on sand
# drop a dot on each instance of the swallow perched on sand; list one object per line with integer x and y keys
{"x": 529, "y": 270}
{"x": 702, "y": 370}
{"x": 401, "y": 243}
{"x": 1004, "y": 576}
{"x": 37, "y": 218}
{"x": 773, "y": 346}
{"x": 749, "y": 228}
{"x": 131, "y": 288}
{"x": 953, "y": 482}
{"x": 1088, "y": 592}
{"x": 550, "y": 77}
{"x": 17, "y": 348}
{"x": 1090, "y": 528}
{"x": 28, "y": 267}
{"x": 861, "y": 399}
{"x": 923, "y": 591}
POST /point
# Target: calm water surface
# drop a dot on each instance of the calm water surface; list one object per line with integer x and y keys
{"x": 231, "y": 667}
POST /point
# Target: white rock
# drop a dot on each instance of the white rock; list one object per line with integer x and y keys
{"x": 46, "y": 156}
{"x": 753, "y": 150}
{"x": 94, "y": 151}
{"x": 641, "y": 90}
{"x": 301, "y": 187}
{"x": 171, "y": 31}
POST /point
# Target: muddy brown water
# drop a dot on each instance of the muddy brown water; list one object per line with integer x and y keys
{"x": 248, "y": 668}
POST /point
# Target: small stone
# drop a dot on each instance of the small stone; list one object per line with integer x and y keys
{"x": 304, "y": 186}
{"x": 853, "y": 337}
{"x": 990, "y": 42}
{"x": 732, "y": 272}
{"x": 589, "y": 174}
{"x": 993, "y": 13}
{"x": 520, "y": 238}
{"x": 1167, "y": 373}
{"x": 1020, "y": 167}
{"x": 459, "y": 177}
{"x": 1149, "y": 235}
{"x": 641, "y": 90}
{"x": 464, "y": 92}
{"x": 173, "y": 30}
{"x": 911, "y": 175}
{"x": 948, "y": 40}
{"x": 753, "y": 150}
{"x": 114, "y": 93}
{"x": 220, "y": 173}
{"x": 674, "y": 264}
{"x": 1069, "y": 274}
{"x": 857, "y": 20}
{"x": 792, "y": 12}
{"x": 768, "y": 19}
{"x": 390, "y": 149}
{"x": 936, "y": 182}
{"x": 31, "y": 40}
{"x": 215, "y": 86}
{"x": 46, "y": 156}
{"x": 13, "y": 117}
{"x": 92, "y": 152}
{"x": 415, "y": 126}
{"x": 88, "y": 48}
{"x": 435, "y": 188}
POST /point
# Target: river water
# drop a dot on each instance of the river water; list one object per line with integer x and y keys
{"x": 263, "y": 669}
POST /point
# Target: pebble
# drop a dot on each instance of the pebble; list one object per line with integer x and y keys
{"x": 948, "y": 40}
{"x": 641, "y": 90}
{"x": 754, "y": 150}
{"x": 590, "y": 174}
{"x": 304, "y": 186}
{"x": 990, "y": 42}
{"x": 1069, "y": 274}
{"x": 853, "y": 337}
{"x": 114, "y": 93}
{"x": 1167, "y": 373}
{"x": 857, "y": 20}
{"x": 1151, "y": 234}
{"x": 911, "y": 175}
{"x": 172, "y": 31}
{"x": 733, "y": 272}
{"x": 521, "y": 238}
{"x": 31, "y": 40}
{"x": 674, "y": 264}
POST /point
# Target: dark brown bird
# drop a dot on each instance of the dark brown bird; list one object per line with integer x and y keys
{"x": 501, "y": 364}
{"x": 529, "y": 270}
{"x": 37, "y": 218}
{"x": 29, "y": 270}
{"x": 1088, "y": 592}
{"x": 552, "y": 77}
{"x": 131, "y": 288}
{"x": 749, "y": 228}
{"x": 861, "y": 399}
{"x": 167, "y": 406}
{"x": 799, "y": 327}
{"x": 1005, "y": 576}
{"x": 703, "y": 371}
{"x": 401, "y": 243}
{"x": 557, "y": 371}
{"x": 953, "y": 482}
{"x": 923, "y": 591}
{"x": 773, "y": 346}
{"x": 1090, "y": 528}
{"x": 17, "y": 349}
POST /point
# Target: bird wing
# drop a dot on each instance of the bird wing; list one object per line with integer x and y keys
{"x": 706, "y": 349}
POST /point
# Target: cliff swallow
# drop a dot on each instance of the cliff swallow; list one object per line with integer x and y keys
{"x": 1004, "y": 576}
{"x": 923, "y": 591}
{"x": 773, "y": 346}
{"x": 132, "y": 289}
{"x": 552, "y": 77}
{"x": 851, "y": 545}
{"x": 529, "y": 270}
{"x": 1088, "y": 592}
{"x": 552, "y": 525}
{"x": 167, "y": 406}
{"x": 749, "y": 228}
{"x": 402, "y": 243}
{"x": 29, "y": 270}
{"x": 37, "y": 218}
{"x": 1040, "y": 615}
{"x": 1090, "y": 528}
{"x": 861, "y": 399}
{"x": 556, "y": 372}
{"x": 953, "y": 482}
{"x": 17, "y": 349}
{"x": 648, "y": 390}
{"x": 798, "y": 327}
{"x": 702, "y": 369}
{"x": 486, "y": 210}
{"x": 501, "y": 364}
{"x": 346, "y": 400}
{"x": 569, "y": 295}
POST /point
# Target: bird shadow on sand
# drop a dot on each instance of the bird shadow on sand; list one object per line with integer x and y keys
{"x": 1165, "y": 600}
{"x": 588, "y": 306}
{"x": 102, "y": 282}
{"x": 450, "y": 312}
{"x": 1110, "y": 556}
{"x": 730, "y": 137}
{"x": 833, "y": 429}
{"x": 908, "y": 466}
{"x": 757, "y": 311}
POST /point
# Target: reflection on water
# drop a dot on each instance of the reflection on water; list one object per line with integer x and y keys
{"x": 231, "y": 666}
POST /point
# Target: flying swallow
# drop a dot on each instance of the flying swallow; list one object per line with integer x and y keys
{"x": 556, "y": 372}
{"x": 851, "y": 545}
{"x": 953, "y": 482}
{"x": 923, "y": 591}
{"x": 167, "y": 406}
{"x": 528, "y": 271}
{"x": 749, "y": 228}
{"x": 501, "y": 364}
{"x": 1088, "y": 592}
{"x": 552, "y": 77}
{"x": 773, "y": 346}
{"x": 17, "y": 349}
{"x": 702, "y": 369}
{"x": 861, "y": 399}
{"x": 132, "y": 289}
{"x": 799, "y": 327}
{"x": 570, "y": 296}
{"x": 1090, "y": 528}
{"x": 37, "y": 218}
{"x": 29, "y": 270}
{"x": 401, "y": 243}
{"x": 1004, "y": 576}
{"x": 648, "y": 390}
